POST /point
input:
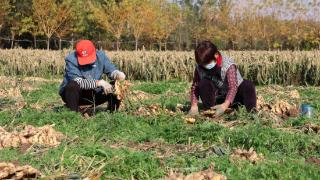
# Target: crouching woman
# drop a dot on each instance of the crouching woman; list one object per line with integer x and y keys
{"x": 83, "y": 84}
{"x": 218, "y": 82}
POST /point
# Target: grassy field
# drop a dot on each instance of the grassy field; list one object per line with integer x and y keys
{"x": 127, "y": 145}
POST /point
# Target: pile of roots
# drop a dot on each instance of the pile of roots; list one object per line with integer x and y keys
{"x": 11, "y": 171}
{"x": 30, "y": 135}
{"x": 284, "y": 103}
{"x": 152, "y": 110}
{"x": 208, "y": 174}
{"x": 249, "y": 155}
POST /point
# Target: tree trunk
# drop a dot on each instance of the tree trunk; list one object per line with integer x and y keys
{"x": 60, "y": 43}
{"x": 48, "y": 43}
{"x": 136, "y": 43}
{"x": 35, "y": 41}
{"x": 165, "y": 45}
{"x": 160, "y": 46}
{"x": 118, "y": 44}
{"x": 72, "y": 41}
{"x": 99, "y": 42}
{"x": 180, "y": 39}
{"x": 12, "y": 41}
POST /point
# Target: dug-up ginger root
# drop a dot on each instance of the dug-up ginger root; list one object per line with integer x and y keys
{"x": 208, "y": 174}
{"x": 152, "y": 110}
{"x": 209, "y": 113}
{"x": 279, "y": 107}
{"x": 11, "y": 171}
{"x": 189, "y": 120}
{"x": 250, "y": 155}
{"x": 13, "y": 139}
{"x": 309, "y": 127}
{"x": 121, "y": 89}
{"x": 45, "y": 135}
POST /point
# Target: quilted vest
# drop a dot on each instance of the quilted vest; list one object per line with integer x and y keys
{"x": 222, "y": 84}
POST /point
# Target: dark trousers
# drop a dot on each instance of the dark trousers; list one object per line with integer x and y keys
{"x": 74, "y": 97}
{"x": 246, "y": 95}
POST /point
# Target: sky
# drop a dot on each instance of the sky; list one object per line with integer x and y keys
{"x": 311, "y": 12}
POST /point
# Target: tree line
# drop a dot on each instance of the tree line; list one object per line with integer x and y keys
{"x": 162, "y": 24}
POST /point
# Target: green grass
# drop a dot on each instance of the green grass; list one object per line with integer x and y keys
{"x": 285, "y": 152}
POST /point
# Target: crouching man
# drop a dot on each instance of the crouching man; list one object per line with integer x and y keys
{"x": 83, "y": 83}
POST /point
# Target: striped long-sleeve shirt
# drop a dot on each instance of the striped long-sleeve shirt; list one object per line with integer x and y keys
{"x": 86, "y": 83}
{"x": 232, "y": 85}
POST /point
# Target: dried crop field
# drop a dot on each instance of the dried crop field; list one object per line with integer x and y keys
{"x": 151, "y": 137}
{"x": 262, "y": 67}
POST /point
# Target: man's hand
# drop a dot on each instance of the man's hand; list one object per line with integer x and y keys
{"x": 105, "y": 85}
{"x": 193, "y": 110}
{"x": 118, "y": 75}
{"x": 220, "y": 109}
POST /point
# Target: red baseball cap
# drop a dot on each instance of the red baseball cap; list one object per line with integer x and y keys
{"x": 86, "y": 52}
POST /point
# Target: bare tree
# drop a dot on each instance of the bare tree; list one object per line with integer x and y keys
{"x": 50, "y": 16}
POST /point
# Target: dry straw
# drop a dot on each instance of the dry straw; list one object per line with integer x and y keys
{"x": 262, "y": 67}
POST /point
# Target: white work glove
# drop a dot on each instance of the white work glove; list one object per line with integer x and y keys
{"x": 220, "y": 109}
{"x": 118, "y": 75}
{"x": 193, "y": 111}
{"x": 107, "y": 87}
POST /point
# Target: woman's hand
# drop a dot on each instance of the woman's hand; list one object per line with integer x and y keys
{"x": 118, "y": 75}
{"x": 220, "y": 109}
{"x": 194, "y": 110}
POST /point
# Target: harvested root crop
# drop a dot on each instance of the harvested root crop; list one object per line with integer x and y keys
{"x": 279, "y": 107}
{"x": 311, "y": 128}
{"x": 138, "y": 95}
{"x": 11, "y": 171}
{"x": 209, "y": 113}
{"x": 250, "y": 155}
{"x": 121, "y": 89}
{"x": 45, "y": 135}
{"x": 153, "y": 109}
{"x": 189, "y": 120}
{"x": 202, "y": 175}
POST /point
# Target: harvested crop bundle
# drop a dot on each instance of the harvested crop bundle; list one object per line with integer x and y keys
{"x": 121, "y": 89}
{"x": 11, "y": 171}
{"x": 250, "y": 155}
{"x": 45, "y": 135}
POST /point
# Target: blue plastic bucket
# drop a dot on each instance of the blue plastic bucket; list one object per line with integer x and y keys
{"x": 306, "y": 110}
